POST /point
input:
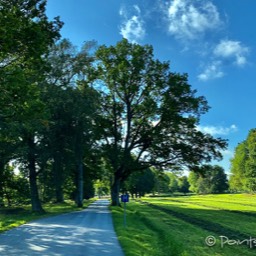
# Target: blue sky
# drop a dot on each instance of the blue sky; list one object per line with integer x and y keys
{"x": 211, "y": 40}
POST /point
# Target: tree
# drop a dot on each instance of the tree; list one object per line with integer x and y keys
{"x": 250, "y": 164}
{"x": 15, "y": 187}
{"x": 25, "y": 37}
{"x": 102, "y": 183}
{"x": 140, "y": 183}
{"x": 162, "y": 181}
{"x": 173, "y": 184}
{"x": 212, "y": 180}
{"x": 238, "y": 167}
{"x": 26, "y": 34}
{"x": 193, "y": 178}
{"x": 243, "y": 165}
{"x": 149, "y": 114}
{"x": 72, "y": 105}
{"x": 183, "y": 184}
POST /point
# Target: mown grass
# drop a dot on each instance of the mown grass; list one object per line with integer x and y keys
{"x": 15, "y": 216}
{"x": 143, "y": 234}
{"x": 180, "y": 225}
{"x": 236, "y": 221}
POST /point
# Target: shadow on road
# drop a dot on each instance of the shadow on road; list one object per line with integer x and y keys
{"x": 88, "y": 232}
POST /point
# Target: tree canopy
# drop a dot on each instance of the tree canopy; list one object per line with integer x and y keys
{"x": 150, "y": 114}
{"x": 67, "y": 112}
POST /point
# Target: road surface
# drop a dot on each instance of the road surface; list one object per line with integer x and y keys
{"x": 89, "y": 233}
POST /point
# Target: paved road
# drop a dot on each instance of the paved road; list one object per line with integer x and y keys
{"x": 88, "y": 232}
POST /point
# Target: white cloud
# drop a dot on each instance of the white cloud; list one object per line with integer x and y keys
{"x": 132, "y": 27}
{"x": 228, "y": 49}
{"x": 211, "y": 71}
{"x": 217, "y": 130}
{"x": 189, "y": 19}
{"x": 190, "y": 22}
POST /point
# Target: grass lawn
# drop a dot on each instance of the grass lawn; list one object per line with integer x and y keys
{"x": 16, "y": 216}
{"x": 180, "y": 225}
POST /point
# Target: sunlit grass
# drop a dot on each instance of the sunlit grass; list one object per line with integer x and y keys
{"x": 182, "y": 227}
{"x": 143, "y": 235}
{"x": 227, "y": 215}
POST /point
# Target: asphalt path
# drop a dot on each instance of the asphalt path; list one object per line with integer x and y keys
{"x": 88, "y": 232}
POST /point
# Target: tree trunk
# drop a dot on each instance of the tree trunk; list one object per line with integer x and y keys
{"x": 115, "y": 188}
{"x": 35, "y": 201}
{"x": 80, "y": 185}
{"x": 58, "y": 177}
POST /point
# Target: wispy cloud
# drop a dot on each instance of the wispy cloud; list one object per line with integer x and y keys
{"x": 191, "y": 23}
{"x": 132, "y": 27}
{"x": 218, "y": 130}
{"x": 226, "y": 51}
{"x": 188, "y": 19}
{"x": 212, "y": 71}
{"x": 196, "y": 25}
{"x": 233, "y": 50}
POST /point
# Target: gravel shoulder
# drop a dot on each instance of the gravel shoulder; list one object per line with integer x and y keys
{"x": 89, "y": 232}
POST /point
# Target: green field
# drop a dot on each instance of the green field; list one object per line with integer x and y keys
{"x": 181, "y": 225}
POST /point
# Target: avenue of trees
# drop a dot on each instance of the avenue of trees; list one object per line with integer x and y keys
{"x": 71, "y": 118}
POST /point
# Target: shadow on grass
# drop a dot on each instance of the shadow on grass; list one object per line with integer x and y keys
{"x": 210, "y": 226}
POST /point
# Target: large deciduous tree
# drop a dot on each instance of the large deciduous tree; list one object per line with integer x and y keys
{"x": 25, "y": 36}
{"x": 150, "y": 114}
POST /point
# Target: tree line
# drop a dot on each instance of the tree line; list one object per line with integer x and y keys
{"x": 213, "y": 180}
{"x": 72, "y": 116}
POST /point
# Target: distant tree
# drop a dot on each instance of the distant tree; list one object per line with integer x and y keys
{"x": 183, "y": 184}
{"x": 219, "y": 180}
{"x": 140, "y": 183}
{"x": 173, "y": 184}
{"x": 102, "y": 183}
{"x": 193, "y": 178}
{"x": 162, "y": 181}
{"x": 148, "y": 114}
{"x": 212, "y": 180}
{"x": 15, "y": 187}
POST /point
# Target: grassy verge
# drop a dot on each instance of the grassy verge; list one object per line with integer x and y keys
{"x": 16, "y": 216}
{"x": 152, "y": 231}
{"x": 143, "y": 235}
